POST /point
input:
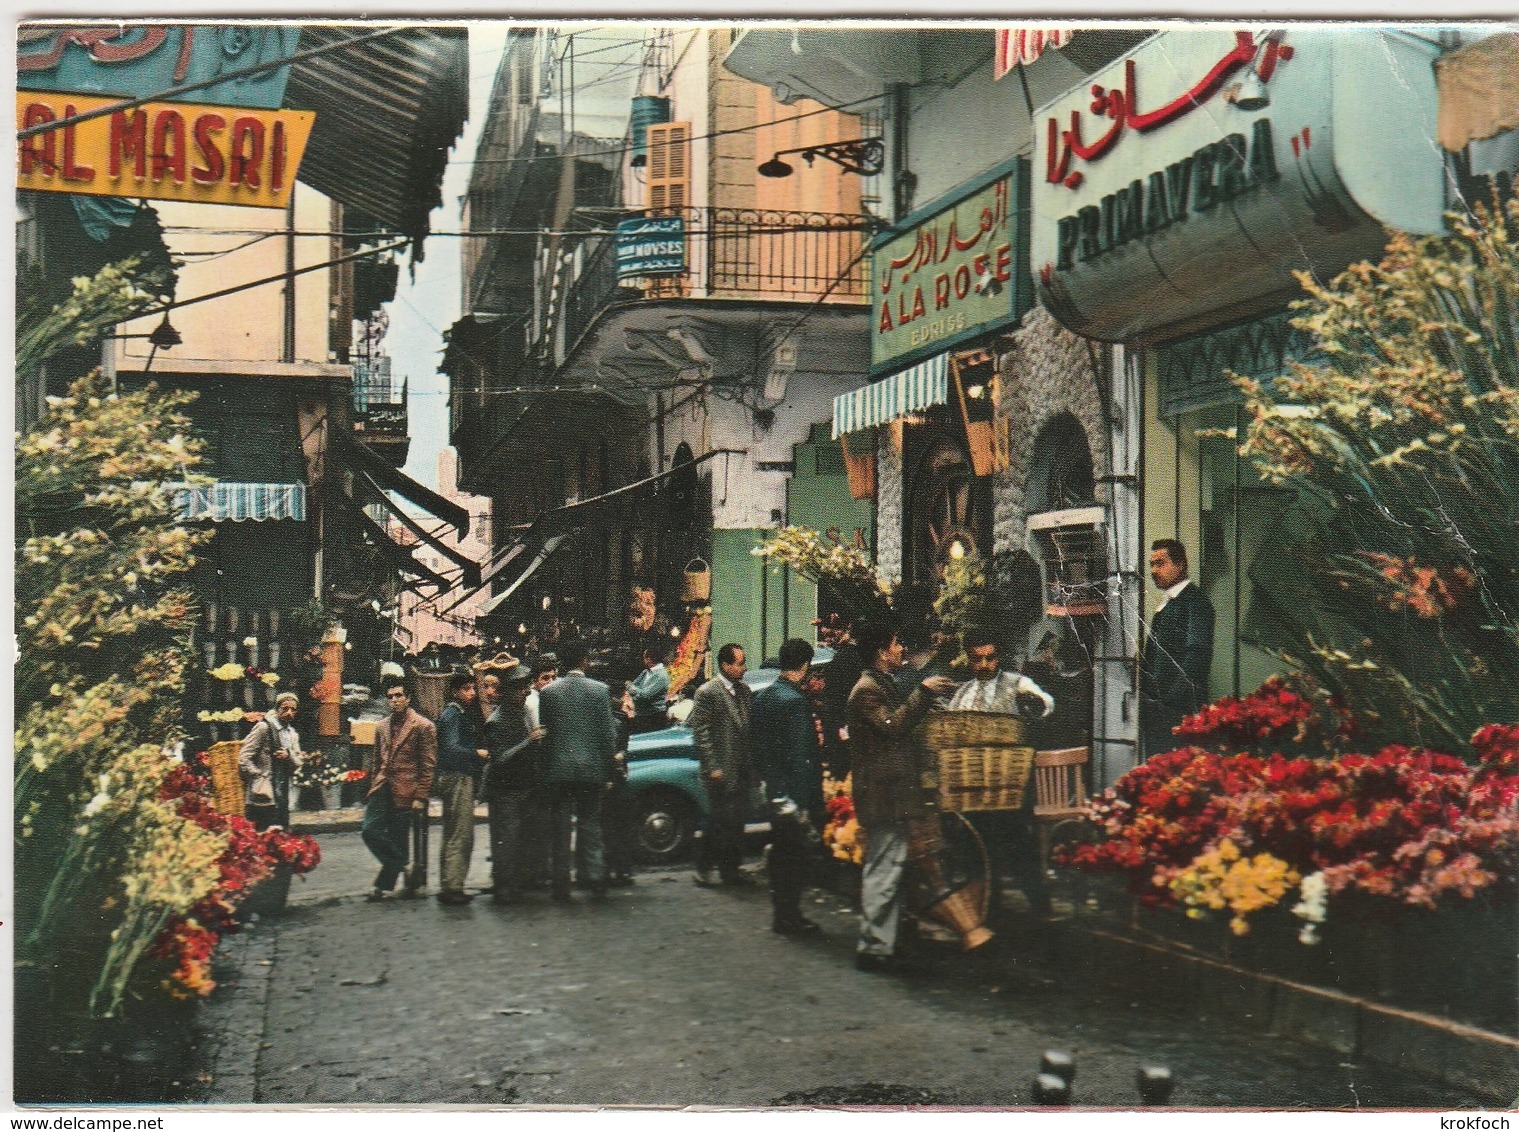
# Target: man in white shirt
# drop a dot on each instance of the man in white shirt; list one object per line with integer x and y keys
{"x": 992, "y": 689}
{"x": 1178, "y": 650}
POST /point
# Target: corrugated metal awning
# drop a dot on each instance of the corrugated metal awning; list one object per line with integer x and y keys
{"x": 387, "y": 112}
{"x": 241, "y": 502}
{"x": 914, "y": 388}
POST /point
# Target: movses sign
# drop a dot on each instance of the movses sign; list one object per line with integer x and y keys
{"x": 951, "y": 271}
{"x": 651, "y": 246}
{"x": 1183, "y": 185}
{"x": 161, "y": 150}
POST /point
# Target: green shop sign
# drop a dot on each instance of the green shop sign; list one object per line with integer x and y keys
{"x": 951, "y": 271}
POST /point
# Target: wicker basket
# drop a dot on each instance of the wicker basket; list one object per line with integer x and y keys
{"x": 696, "y": 583}
{"x": 972, "y": 729}
{"x": 226, "y": 782}
{"x": 984, "y": 763}
{"x": 983, "y": 778}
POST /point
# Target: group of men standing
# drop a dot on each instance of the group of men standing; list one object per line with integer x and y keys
{"x": 546, "y": 748}
{"x": 542, "y": 750}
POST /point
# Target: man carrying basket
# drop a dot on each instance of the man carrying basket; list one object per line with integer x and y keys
{"x": 1009, "y": 832}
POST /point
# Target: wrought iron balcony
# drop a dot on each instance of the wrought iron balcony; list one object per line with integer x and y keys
{"x": 733, "y": 254}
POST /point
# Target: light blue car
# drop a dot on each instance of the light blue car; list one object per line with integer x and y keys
{"x": 664, "y": 781}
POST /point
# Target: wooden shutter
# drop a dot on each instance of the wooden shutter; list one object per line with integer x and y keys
{"x": 669, "y": 166}
{"x": 669, "y": 181}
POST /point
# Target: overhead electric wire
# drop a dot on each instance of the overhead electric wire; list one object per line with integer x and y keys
{"x": 618, "y": 151}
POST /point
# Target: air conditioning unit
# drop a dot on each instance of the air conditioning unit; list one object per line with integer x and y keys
{"x": 1074, "y": 552}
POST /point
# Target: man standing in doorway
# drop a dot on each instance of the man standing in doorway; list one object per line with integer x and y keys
{"x": 406, "y": 754}
{"x": 786, "y": 756}
{"x": 461, "y": 758}
{"x": 720, "y": 728}
{"x": 1173, "y": 672}
{"x": 888, "y": 790}
{"x": 576, "y": 715}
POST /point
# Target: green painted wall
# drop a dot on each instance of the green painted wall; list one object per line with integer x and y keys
{"x": 758, "y": 604}
{"x": 817, "y": 496}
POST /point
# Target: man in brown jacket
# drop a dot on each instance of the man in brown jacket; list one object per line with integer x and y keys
{"x": 406, "y": 753}
{"x": 888, "y": 790}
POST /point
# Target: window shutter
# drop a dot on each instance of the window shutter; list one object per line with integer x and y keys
{"x": 669, "y": 169}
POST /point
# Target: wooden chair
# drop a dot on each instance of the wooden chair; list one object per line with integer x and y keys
{"x": 1060, "y": 792}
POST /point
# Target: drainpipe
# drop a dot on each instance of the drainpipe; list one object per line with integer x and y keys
{"x": 287, "y": 350}
{"x": 904, "y": 181}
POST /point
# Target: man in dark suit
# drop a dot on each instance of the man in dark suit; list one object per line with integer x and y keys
{"x": 720, "y": 730}
{"x": 576, "y": 715}
{"x": 786, "y": 755}
{"x": 1173, "y": 673}
{"x": 406, "y": 756}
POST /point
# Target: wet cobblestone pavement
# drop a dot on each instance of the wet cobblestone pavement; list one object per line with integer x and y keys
{"x": 666, "y": 994}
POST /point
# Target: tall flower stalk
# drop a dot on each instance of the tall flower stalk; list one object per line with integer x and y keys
{"x": 1399, "y": 591}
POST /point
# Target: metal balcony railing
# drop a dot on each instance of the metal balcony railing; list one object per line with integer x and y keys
{"x": 734, "y": 253}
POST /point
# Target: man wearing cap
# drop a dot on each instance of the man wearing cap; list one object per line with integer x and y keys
{"x": 511, "y": 776}
{"x": 268, "y": 760}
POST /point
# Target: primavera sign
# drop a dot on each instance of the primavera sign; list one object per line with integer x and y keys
{"x": 952, "y": 271}
{"x": 161, "y": 150}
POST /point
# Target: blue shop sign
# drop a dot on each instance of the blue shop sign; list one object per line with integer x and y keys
{"x": 144, "y": 60}
{"x": 654, "y": 245}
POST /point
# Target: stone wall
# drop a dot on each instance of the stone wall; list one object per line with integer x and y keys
{"x": 1046, "y": 372}
{"x": 889, "y": 474}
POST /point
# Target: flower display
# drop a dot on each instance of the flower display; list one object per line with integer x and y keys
{"x": 1210, "y": 830}
{"x": 188, "y": 941}
{"x": 848, "y": 571}
{"x": 319, "y": 772}
{"x": 1224, "y": 879}
{"x": 229, "y": 715}
{"x": 229, "y": 671}
{"x": 841, "y": 831}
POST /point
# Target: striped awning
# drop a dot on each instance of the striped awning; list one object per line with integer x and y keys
{"x": 1019, "y": 46}
{"x": 239, "y": 502}
{"x": 915, "y": 388}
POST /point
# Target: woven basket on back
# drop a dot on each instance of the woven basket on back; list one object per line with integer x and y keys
{"x": 984, "y": 763}
{"x": 226, "y": 782}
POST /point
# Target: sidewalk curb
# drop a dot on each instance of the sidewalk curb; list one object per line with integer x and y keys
{"x": 352, "y": 819}
{"x": 1453, "y": 1052}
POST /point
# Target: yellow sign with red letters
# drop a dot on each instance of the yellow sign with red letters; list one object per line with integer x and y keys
{"x": 161, "y": 150}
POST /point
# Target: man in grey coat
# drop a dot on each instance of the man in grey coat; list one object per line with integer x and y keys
{"x": 576, "y": 714}
{"x": 720, "y": 729}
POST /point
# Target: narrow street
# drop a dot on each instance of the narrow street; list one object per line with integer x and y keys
{"x": 666, "y": 994}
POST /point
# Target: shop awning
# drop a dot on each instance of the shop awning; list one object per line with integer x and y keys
{"x": 361, "y": 458}
{"x": 387, "y": 113}
{"x": 398, "y": 557}
{"x": 470, "y": 568}
{"x": 1479, "y": 90}
{"x": 539, "y": 559}
{"x": 545, "y": 531}
{"x": 1017, "y": 47}
{"x": 909, "y": 391}
{"x": 241, "y": 502}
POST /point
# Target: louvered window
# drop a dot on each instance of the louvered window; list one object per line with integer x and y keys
{"x": 669, "y": 167}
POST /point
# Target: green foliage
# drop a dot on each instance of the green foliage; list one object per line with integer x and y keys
{"x": 101, "y": 862}
{"x": 1400, "y": 590}
{"x": 98, "y": 302}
